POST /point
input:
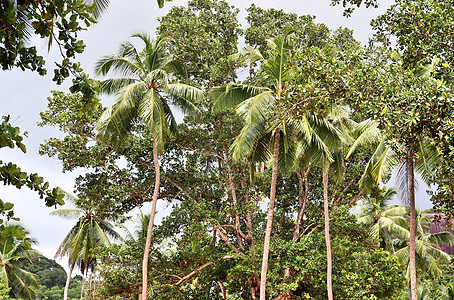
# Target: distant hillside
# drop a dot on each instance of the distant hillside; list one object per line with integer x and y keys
{"x": 52, "y": 277}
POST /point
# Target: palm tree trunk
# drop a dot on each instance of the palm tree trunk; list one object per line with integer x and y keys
{"x": 65, "y": 292}
{"x": 151, "y": 222}
{"x": 411, "y": 186}
{"x": 82, "y": 288}
{"x": 269, "y": 223}
{"x": 329, "y": 268}
{"x": 302, "y": 200}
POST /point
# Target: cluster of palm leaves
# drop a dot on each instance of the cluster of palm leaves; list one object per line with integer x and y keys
{"x": 88, "y": 233}
{"x": 14, "y": 255}
{"x": 389, "y": 226}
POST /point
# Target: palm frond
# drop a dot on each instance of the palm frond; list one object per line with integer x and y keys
{"x": 171, "y": 121}
{"x": 100, "y": 7}
{"x": 115, "y": 122}
{"x": 247, "y": 139}
{"x": 384, "y": 163}
{"x": 112, "y": 85}
{"x": 428, "y": 158}
{"x": 276, "y": 65}
{"x": 23, "y": 284}
{"x": 402, "y": 182}
{"x": 67, "y": 213}
{"x": 249, "y": 55}
{"x": 176, "y": 67}
{"x": 257, "y": 108}
{"x": 337, "y": 167}
{"x": 184, "y": 96}
{"x": 129, "y": 51}
{"x": 229, "y": 96}
{"x": 120, "y": 65}
{"x": 365, "y": 133}
{"x": 152, "y": 112}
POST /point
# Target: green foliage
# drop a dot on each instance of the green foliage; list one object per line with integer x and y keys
{"x": 88, "y": 233}
{"x": 57, "y": 21}
{"x": 428, "y": 256}
{"x": 360, "y": 270}
{"x": 16, "y": 252}
{"x": 213, "y": 238}
{"x": 349, "y": 5}
{"x": 50, "y": 273}
{"x": 56, "y": 292}
{"x": 204, "y": 34}
{"x": 144, "y": 91}
{"x": 11, "y": 174}
{"x": 266, "y": 24}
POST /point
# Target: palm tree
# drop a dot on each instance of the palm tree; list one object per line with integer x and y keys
{"x": 423, "y": 161}
{"x": 142, "y": 93}
{"x": 448, "y": 291}
{"x": 89, "y": 232}
{"x": 269, "y": 133}
{"x": 423, "y": 293}
{"x": 263, "y": 129}
{"x": 383, "y": 219}
{"x": 14, "y": 254}
{"x": 427, "y": 255}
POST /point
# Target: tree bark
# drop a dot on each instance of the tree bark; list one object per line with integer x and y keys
{"x": 329, "y": 268}
{"x": 151, "y": 222}
{"x": 269, "y": 223}
{"x": 411, "y": 194}
{"x": 65, "y": 292}
{"x": 223, "y": 293}
{"x": 302, "y": 200}
{"x": 82, "y": 288}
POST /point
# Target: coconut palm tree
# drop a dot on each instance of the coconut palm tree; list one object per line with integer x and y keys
{"x": 14, "y": 254}
{"x": 263, "y": 129}
{"x": 269, "y": 133}
{"x": 143, "y": 92}
{"x": 383, "y": 219}
{"x": 427, "y": 255}
{"x": 88, "y": 233}
{"x": 423, "y": 161}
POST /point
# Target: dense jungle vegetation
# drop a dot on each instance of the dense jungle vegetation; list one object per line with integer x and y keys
{"x": 272, "y": 144}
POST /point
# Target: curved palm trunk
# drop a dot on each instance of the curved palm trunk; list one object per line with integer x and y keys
{"x": 65, "y": 292}
{"x": 269, "y": 223}
{"x": 329, "y": 268}
{"x": 411, "y": 186}
{"x": 151, "y": 222}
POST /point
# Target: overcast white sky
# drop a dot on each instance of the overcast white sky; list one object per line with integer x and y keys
{"x": 23, "y": 96}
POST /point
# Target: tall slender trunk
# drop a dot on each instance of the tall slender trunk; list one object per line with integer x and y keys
{"x": 65, "y": 292}
{"x": 223, "y": 292}
{"x": 329, "y": 268}
{"x": 82, "y": 288}
{"x": 302, "y": 200}
{"x": 151, "y": 222}
{"x": 411, "y": 194}
{"x": 303, "y": 191}
{"x": 269, "y": 223}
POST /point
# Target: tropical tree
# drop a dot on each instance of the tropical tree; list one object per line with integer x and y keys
{"x": 142, "y": 94}
{"x": 14, "y": 254}
{"x": 424, "y": 63}
{"x": 258, "y": 105}
{"x": 89, "y": 232}
{"x": 428, "y": 256}
{"x": 383, "y": 219}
